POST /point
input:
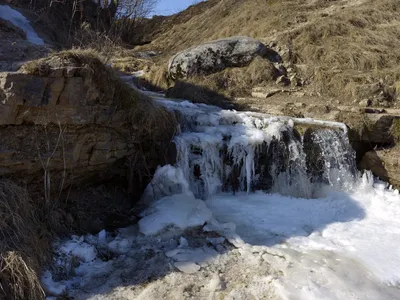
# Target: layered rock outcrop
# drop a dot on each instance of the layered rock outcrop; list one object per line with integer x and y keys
{"x": 72, "y": 120}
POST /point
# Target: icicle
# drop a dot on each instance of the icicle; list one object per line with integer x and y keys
{"x": 222, "y": 150}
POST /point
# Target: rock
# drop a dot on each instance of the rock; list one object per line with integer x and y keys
{"x": 300, "y": 105}
{"x": 365, "y": 103}
{"x": 73, "y": 93}
{"x": 56, "y": 87}
{"x": 172, "y": 253}
{"x": 384, "y": 163}
{"x": 283, "y": 80}
{"x": 261, "y": 92}
{"x": 67, "y": 123}
{"x": 378, "y": 129}
{"x": 295, "y": 81}
{"x": 215, "y": 56}
{"x": 187, "y": 267}
{"x": 22, "y": 89}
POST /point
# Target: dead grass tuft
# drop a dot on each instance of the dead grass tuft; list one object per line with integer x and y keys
{"x": 219, "y": 87}
{"x": 158, "y": 76}
{"x": 395, "y": 130}
{"x": 23, "y": 243}
{"x": 358, "y": 123}
{"x": 17, "y": 279}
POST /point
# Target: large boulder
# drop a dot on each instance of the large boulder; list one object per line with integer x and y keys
{"x": 217, "y": 55}
{"x": 384, "y": 163}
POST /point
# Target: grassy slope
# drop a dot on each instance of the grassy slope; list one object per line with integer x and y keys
{"x": 337, "y": 45}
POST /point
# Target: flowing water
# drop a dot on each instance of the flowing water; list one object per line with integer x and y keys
{"x": 285, "y": 192}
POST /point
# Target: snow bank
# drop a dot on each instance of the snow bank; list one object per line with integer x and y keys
{"x": 347, "y": 239}
{"x": 15, "y": 17}
{"x": 78, "y": 248}
{"x": 182, "y": 211}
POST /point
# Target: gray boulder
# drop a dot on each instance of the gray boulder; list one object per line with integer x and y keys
{"x": 217, "y": 55}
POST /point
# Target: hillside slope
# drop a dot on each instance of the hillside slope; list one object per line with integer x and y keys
{"x": 340, "y": 48}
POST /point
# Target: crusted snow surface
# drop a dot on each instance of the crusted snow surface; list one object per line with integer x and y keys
{"x": 182, "y": 211}
{"x": 15, "y": 17}
{"x": 174, "y": 264}
{"x": 218, "y": 147}
{"x": 343, "y": 246}
{"x": 285, "y": 242}
{"x": 256, "y": 246}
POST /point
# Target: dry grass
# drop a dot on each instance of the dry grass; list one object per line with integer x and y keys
{"x": 358, "y": 122}
{"x": 395, "y": 130}
{"x": 344, "y": 44}
{"x": 23, "y": 243}
{"x": 158, "y": 76}
{"x": 18, "y": 280}
{"x": 219, "y": 87}
{"x": 130, "y": 64}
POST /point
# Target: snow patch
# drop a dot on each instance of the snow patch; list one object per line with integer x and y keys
{"x": 182, "y": 211}
{"x": 187, "y": 267}
{"x": 15, "y": 17}
{"x": 78, "y": 248}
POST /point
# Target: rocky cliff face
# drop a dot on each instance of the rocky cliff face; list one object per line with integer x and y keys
{"x": 65, "y": 120}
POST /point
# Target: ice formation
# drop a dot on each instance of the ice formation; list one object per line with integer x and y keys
{"x": 301, "y": 221}
{"x": 229, "y": 151}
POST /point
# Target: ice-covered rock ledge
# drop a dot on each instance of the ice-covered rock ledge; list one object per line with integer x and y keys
{"x": 192, "y": 110}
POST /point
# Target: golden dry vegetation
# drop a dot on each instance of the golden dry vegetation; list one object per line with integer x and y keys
{"x": 337, "y": 47}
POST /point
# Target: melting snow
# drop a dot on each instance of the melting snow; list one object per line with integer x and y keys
{"x": 343, "y": 244}
{"x": 15, "y": 17}
{"x": 182, "y": 211}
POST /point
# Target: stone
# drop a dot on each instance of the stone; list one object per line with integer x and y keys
{"x": 55, "y": 88}
{"x": 384, "y": 163}
{"x": 73, "y": 93}
{"x": 283, "y": 80}
{"x": 22, "y": 89}
{"x": 8, "y": 114}
{"x": 69, "y": 72}
{"x": 295, "y": 81}
{"x": 215, "y": 56}
{"x": 56, "y": 73}
{"x": 378, "y": 129}
{"x": 365, "y": 103}
{"x": 72, "y": 125}
{"x": 300, "y": 105}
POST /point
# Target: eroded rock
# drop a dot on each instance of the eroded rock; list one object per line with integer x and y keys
{"x": 384, "y": 163}
{"x": 217, "y": 55}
